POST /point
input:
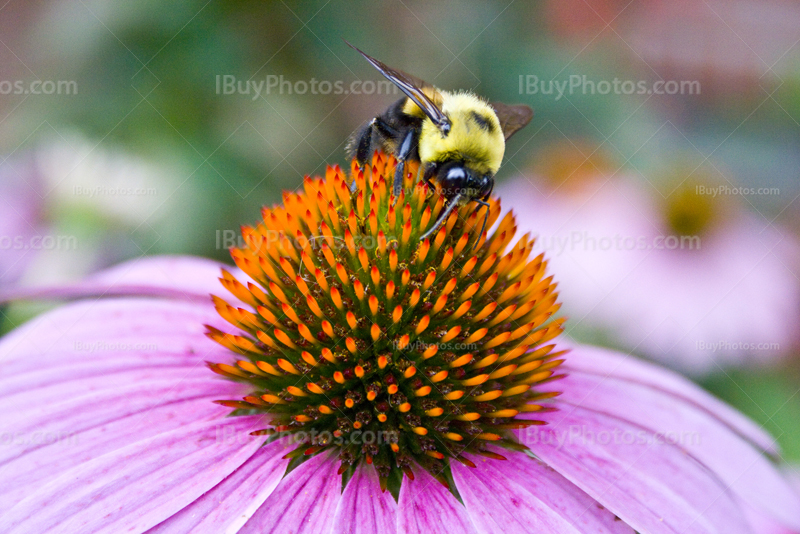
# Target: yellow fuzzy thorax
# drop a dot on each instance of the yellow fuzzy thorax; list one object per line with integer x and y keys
{"x": 480, "y": 147}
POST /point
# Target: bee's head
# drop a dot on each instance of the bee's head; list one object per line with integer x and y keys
{"x": 455, "y": 177}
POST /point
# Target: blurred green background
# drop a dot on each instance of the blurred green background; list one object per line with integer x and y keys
{"x": 147, "y": 107}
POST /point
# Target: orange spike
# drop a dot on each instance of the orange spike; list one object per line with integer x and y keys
{"x": 320, "y": 277}
{"x": 463, "y": 360}
{"x": 440, "y": 304}
{"x": 283, "y": 337}
{"x": 313, "y": 388}
{"x": 464, "y": 308}
{"x": 296, "y": 391}
{"x": 287, "y": 366}
{"x": 306, "y": 333}
{"x": 429, "y": 280}
{"x": 414, "y": 299}
{"x": 358, "y": 287}
{"x": 430, "y": 352}
{"x": 403, "y": 343}
{"x": 448, "y": 257}
{"x": 451, "y": 334}
{"x": 336, "y": 297}
{"x": 327, "y": 328}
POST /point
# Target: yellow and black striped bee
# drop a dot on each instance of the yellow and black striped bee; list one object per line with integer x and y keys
{"x": 458, "y": 138}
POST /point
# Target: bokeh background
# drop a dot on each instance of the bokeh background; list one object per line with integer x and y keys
{"x": 140, "y": 128}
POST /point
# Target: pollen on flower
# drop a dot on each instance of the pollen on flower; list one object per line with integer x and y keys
{"x": 393, "y": 351}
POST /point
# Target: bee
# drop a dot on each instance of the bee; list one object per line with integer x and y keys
{"x": 458, "y": 138}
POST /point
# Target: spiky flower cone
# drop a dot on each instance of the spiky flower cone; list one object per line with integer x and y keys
{"x": 391, "y": 350}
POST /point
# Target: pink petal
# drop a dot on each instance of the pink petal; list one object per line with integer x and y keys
{"x": 304, "y": 502}
{"x": 426, "y": 507}
{"x": 604, "y": 362}
{"x": 66, "y": 404}
{"x": 364, "y": 509}
{"x": 522, "y": 495}
{"x": 228, "y": 506}
{"x": 738, "y": 465}
{"x": 42, "y": 455}
{"x": 137, "y": 487}
{"x": 132, "y": 332}
{"x": 174, "y": 277}
{"x": 652, "y": 485}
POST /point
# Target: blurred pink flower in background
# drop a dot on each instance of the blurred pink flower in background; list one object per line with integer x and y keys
{"x": 21, "y": 213}
{"x": 691, "y": 280}
{"x": 55, "y": 197}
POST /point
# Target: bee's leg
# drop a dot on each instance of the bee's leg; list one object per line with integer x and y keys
{"x": 443, "y": 217}
{"x": 485, "y": 217}
{"x": 430, "y": 169}
{"x": 364, "y": 145}
{"x": 408, "y": 143}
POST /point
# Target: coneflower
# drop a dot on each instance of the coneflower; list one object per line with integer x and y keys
{"x": 356, "y": 328}
{"x": 372, "y": 382}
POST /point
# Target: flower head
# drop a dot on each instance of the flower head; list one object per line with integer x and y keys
{"x": 114, "y": 423}
{"x": 359, "y": 328}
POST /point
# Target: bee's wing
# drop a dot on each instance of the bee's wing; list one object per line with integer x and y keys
{"x": 512, "y": 118}
{"x": 413, "y": 89}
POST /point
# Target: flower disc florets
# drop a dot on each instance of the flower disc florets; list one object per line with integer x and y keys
{"x": 360, "y": 338}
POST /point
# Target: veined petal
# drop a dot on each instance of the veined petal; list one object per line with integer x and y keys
{"x": 604, "y": 362}
{"x": 730, "y": 457}
{"x": 228, "y": 506}
{"x": 522, "y": 495}
{"x": 364, "y": 509}
{"x": 137, "y": 487}
{"x": 304, "y": 501}
{"x": 133, "y": 332}
{"x": 426, "y": 507}
{"x": 652, "y": 485}
{"x": 90, "y": 378}
{"x": 44, "y": 455}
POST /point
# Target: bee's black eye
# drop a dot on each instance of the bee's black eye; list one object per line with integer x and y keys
{"x": 456, "y": 173}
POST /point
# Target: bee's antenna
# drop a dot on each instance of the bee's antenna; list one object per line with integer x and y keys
{"x": 443, "y": 217}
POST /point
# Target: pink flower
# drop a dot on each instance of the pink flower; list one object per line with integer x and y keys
{"x": 693, "y": 301}
{"x": 109, "y": 426}
{"x": 109, "y": 420}
{"x": 20, "y": 217}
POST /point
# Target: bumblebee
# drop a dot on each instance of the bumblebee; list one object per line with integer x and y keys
{"x": 458, "y": 138}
